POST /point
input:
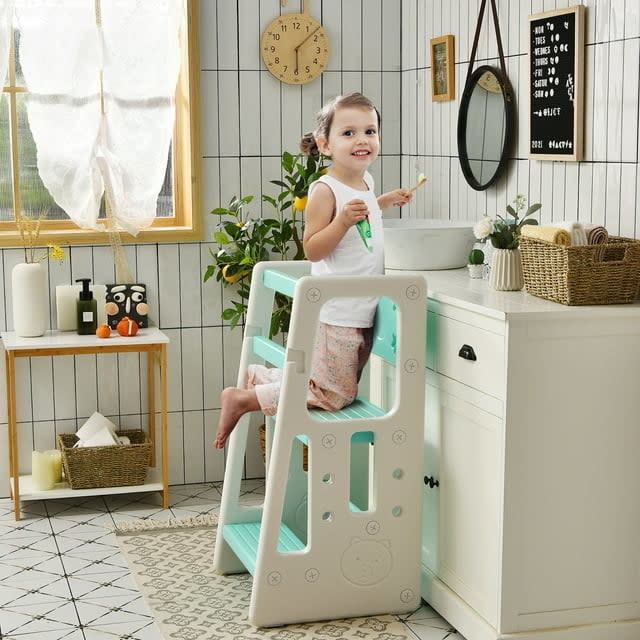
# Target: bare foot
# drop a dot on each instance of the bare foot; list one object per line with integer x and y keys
{"x": 235, "y": 403}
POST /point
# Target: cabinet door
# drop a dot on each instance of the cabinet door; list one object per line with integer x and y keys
{"x": 462, "y": 515}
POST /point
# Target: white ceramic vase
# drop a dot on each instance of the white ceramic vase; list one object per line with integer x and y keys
{"x": 30, "y": 301}
{"x": 506, "y": 270}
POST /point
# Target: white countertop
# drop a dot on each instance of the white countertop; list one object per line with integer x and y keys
{"x": 454, "y": 286}
{"x": 70, "y": 339}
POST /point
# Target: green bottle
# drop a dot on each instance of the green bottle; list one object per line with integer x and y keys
{"x": 87, "y": 309}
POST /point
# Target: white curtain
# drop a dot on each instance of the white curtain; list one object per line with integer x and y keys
{"x": 6, "y": 19}
{"x": 101, "y": 76}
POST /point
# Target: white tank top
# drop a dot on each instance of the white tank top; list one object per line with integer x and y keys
{"x": 351, "y": 257}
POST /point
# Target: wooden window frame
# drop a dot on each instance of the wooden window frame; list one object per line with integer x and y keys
{"x": 187, "y": 224}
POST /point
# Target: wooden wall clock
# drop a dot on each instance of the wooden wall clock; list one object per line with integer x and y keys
{"x": 295, "y": 47}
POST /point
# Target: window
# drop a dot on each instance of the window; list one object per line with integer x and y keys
{"x": 178, "y": 215}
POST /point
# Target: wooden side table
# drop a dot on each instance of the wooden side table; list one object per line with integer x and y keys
{"x": 62, "y": 343}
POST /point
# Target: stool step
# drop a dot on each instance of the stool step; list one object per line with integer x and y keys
{"x": 269, "y": 350}
{"x": 280, "y": 281}
{"x": 243, "y": 539}
{"x": 358, "y": 409}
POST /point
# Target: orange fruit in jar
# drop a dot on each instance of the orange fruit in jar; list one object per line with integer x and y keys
{"x": 103, "y": 331}
{"x": 127, "y": 327}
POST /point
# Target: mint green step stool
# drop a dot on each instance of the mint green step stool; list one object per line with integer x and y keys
{"x": 316, "y": 549}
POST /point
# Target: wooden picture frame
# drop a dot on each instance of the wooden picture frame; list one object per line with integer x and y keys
{"x": 556, "y": 84}
{"x": 442, "y": 68}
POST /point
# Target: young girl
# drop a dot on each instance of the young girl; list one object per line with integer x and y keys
{"x": 348, "y": 132}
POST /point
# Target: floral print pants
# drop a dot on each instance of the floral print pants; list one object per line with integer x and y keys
{"x": 339, "y": 357}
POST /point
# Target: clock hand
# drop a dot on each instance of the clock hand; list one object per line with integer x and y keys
{"x": 298, "y": 47}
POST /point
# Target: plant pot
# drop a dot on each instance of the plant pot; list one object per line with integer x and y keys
{"x": 475, "y": 270}
{"x": 506, "y": 270}
{"x": 30, "y": 300}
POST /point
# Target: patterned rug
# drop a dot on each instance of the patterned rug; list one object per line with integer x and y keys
{"x": 171, "y": 562}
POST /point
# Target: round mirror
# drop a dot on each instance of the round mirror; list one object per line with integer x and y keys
{"x": 485, "y": 126}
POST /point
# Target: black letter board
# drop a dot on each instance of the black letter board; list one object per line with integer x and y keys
{"x": 556, "y": 76}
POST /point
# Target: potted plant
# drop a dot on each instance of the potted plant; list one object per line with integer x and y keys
{"x": 244, "y": 239}
{"x": 504, "y": 234}
{"x": 475, "y": 264}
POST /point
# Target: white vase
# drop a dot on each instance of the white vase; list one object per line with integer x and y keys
{"x": 506, "y": 270}
{"x": 30, "y": 301}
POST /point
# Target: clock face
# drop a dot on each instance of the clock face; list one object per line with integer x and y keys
{"x": 295, "y": 48}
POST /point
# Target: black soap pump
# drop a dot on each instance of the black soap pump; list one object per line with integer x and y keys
{"x": 87, "y": 309}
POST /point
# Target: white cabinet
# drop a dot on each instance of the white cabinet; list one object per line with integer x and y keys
{"x": 533, "y": 527}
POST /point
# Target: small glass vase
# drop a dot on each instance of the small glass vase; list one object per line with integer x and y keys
{"x": 29, "y": 298}
{"x": 506, "y": 270}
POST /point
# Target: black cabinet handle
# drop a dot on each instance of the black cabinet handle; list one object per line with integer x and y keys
{"x": 467, "y": 352}
{"x": 432, "y": 482}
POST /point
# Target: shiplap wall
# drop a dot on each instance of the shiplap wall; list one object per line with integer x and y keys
{"x": 379, "y": 47}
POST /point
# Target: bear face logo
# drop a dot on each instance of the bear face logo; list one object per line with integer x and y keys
{"x": 366, "y": 562}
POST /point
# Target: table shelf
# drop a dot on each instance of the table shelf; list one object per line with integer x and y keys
{"x": 63, "y": 490}
{"x": 61, "y": 343}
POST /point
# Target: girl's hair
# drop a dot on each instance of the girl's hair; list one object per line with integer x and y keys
{"x": 324, "y": 119}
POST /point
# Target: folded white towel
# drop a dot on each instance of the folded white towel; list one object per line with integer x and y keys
{"x": 575, "y": 229}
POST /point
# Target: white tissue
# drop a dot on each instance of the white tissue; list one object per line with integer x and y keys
{"x": 96, "y": 431}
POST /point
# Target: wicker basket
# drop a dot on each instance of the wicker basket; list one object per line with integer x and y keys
{"x": 262, "y": 435}
{"x": 110, "y": 466}
{"x": 582, "y": 274}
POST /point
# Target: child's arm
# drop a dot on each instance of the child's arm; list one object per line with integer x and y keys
{"x": 395, "y": 198}
{"x": 322, "y": 229}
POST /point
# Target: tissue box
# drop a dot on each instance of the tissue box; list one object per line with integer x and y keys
{"x": 118, "y": 465}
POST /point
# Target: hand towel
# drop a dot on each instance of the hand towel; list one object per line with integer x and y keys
{"x": 575, "y": 230}
{"x": 596, "y": 234}
{"x": 547, "y": 233}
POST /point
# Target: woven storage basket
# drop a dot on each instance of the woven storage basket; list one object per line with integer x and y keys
{"x": 582, "y": 274}
{"x": 110, "y": 466}
{"x": 262, "y": 435}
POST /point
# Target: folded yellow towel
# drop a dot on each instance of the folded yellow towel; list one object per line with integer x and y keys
{"x": 547, "y": 233}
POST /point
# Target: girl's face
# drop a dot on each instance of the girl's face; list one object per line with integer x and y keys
{"x": 353, "y": 141}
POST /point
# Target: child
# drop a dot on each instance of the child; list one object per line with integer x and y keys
{"x": 348, "y": 132}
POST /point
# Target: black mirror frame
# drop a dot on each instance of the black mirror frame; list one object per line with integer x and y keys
{"x": 509, "y": 107}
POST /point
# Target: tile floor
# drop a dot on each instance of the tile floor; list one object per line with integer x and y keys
{"x": 62, "y": 576}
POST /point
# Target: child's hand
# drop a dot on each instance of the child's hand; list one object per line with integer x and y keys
{"x": 354, "y": 211}
{"x": 398, "y": 197}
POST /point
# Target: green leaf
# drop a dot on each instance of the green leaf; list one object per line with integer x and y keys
{"x": 211, "y": 270}
{"x": 221, "y": 238}
{"x": 533, "y": 208}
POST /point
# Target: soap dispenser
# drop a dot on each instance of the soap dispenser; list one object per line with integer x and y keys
{"x": 87, "y": 309}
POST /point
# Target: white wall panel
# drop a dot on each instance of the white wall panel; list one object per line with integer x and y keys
{"x": 372, "y": 35}
{"x": 192, "y": 370}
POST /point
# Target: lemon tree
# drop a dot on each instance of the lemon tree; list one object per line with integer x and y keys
{"x": 245, "y": 238}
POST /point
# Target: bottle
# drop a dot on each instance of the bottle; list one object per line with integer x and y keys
{"x": 87, "y": 309}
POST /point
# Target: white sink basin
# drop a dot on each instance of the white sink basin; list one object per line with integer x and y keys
{"x": 422, "y": 244}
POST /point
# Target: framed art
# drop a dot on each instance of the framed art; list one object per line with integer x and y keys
{"x": 442, "y": 68}
{"x": 556, "y": 79}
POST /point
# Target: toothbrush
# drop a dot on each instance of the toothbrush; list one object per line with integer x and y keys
{"x": 421, "y": 180}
